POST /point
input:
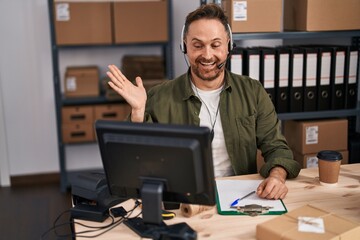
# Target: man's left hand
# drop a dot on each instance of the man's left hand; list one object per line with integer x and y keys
{"x": 273, "y": 187}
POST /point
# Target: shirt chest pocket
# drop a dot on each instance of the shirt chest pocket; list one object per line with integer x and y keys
{"x": 246, "y": 130}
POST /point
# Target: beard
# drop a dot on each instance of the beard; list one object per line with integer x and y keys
{"x": 206, "y": 74}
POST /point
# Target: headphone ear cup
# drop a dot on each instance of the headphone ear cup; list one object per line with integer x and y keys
{"x": 183, "y": 45}
{"x": 231, "y": 42}
{"x": 183, "y": 48}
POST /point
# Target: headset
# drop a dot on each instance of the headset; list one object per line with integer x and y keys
{"x": 183, "y": 45}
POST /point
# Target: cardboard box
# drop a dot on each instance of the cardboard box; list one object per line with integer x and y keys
{"x": 78, "y": 132}
{"x": 112, "y": 111}
{"x": 310, "y": 160}
{"x": 107, "y": 91}
{"x": 82, "y": 82}
{"x": 141, "y": 21}
{"x": 82, "y": 22}
{"x": 77, "y": 114}
{"x": 321, "y": 15}
{"x": 148, "y": 84}
{"x": 147, "y": 67}
{"x": 254, "y": 15}
{"x": 311, "y": 136}
{"x": 286, "y": 226}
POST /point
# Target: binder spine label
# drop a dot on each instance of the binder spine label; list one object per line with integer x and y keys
{"x": 254, "y": 67}
{"x": 340, "y": 67}
{"x": 269, "y": 79}
{"x": 298, "y": 70}
{"x": 236, "y": 64}
{"x": 284, "y": 70}
{"x": 311, "y": 70}
{"x": 325, "y": 69}
{"x": 353, "y": 67}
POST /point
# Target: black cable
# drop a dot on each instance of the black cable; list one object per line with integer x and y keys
{"x": 53, "y": 228}
{"x": 117, "y": 223}
{"x": 186, "y": 61}
{"x": 93, "y": 229}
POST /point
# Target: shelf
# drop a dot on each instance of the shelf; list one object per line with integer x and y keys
{"x": 319, "y": 114}
{"x": 60, "y": 101}
{"x": 295, "y": 35}
{"x": 89, "y": 100}
{"x": 92, "y": 46}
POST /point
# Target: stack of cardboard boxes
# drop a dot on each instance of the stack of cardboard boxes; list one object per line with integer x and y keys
{"x": 307, "y": 138}
{"x": 80, "y": 82}
{"x": 78, "y": 121}
{"x": 299, "y": 15}
{"x": 148, "y": 67}
{"x": 110, "y": 22}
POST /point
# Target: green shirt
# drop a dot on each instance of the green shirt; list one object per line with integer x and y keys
{"x": 247, "y": 115}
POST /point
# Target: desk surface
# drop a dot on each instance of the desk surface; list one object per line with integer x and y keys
{"x": 343, "y": 200}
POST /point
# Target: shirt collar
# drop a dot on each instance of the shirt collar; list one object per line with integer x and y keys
{"x": 188, "y": 93}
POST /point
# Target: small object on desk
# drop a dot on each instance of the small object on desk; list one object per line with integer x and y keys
{"x": 239, "y": 199}
{"x": 189, "y": 210}
{"x": 166, "y": 215}
{"x": 253, "y": 209}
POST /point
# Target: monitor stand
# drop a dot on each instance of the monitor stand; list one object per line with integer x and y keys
{"x": 152, "y": 225}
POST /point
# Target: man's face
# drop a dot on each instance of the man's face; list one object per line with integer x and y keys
{"x": 207, "y": 47}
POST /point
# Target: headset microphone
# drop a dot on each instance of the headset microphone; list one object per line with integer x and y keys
{"x": 223, "y": 63}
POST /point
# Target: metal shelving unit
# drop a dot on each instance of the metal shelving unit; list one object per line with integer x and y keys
{"x": 296, "y": 35}
{"x": 319, "y": 114}
{"x": 60, "y": 101}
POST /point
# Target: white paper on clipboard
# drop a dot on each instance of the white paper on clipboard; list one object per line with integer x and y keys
{"x": 230, "y": 190}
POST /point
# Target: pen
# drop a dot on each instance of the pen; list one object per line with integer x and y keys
{"x": 239, "y": 199}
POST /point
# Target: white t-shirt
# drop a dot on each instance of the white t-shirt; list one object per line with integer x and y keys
{"x": 209, "y": 108}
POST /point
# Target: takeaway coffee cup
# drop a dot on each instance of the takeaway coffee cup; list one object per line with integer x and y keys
{"x": 329, "y": 167}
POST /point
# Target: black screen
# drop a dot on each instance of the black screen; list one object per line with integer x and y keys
{"x": 178, "y": 156}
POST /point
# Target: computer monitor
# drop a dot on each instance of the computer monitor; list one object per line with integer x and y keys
{"x": 156, "y": 163}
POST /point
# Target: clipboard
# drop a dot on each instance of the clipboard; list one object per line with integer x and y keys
{"x": 229, "y": 190}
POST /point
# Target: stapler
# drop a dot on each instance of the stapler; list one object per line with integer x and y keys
{"x": 91, "y": 197}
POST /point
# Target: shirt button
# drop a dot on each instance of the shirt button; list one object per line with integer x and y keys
{"x": 195, "y": 113}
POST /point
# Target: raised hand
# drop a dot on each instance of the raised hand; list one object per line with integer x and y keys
{"x": 135, "y": 95}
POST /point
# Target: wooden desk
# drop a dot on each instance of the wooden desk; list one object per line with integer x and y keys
{"x": 343, "y": 200}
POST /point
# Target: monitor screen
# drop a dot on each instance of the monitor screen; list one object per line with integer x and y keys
{"x": 142, "y": 159}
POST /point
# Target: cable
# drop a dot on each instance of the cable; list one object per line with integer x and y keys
{"x": 186, "y": 61}
{"x": 92, "y": 229}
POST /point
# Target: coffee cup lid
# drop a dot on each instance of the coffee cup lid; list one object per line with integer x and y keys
{"x": 329, "y": 155}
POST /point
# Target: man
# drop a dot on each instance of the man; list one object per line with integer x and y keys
{"x": 236, "y": 108}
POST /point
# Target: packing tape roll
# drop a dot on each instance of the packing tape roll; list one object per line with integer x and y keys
{"x": 189, "y": 210}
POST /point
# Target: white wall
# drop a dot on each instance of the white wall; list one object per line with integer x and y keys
{"x": 27, "y": 90}
{"x": 4, "y": 163}
{"x": 28, "y": 119}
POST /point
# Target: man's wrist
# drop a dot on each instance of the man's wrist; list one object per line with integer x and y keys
{"x": 137, "y": 115}
{"x": 279, "y": 172}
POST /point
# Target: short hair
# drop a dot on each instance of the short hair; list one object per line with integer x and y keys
{"x": 206, "y": 11}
